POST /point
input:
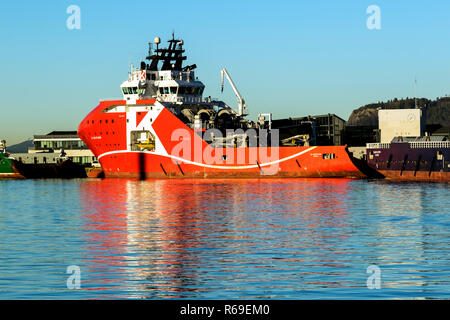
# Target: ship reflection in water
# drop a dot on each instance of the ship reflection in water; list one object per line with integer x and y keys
{"x": 281, "y": 239}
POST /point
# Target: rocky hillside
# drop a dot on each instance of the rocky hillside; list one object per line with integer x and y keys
{"x": 438, "y": 111}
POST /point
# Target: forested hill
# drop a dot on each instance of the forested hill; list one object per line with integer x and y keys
{"x": 438, "y": 111}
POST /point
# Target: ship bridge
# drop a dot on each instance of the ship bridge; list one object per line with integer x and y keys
{"x": 169, "y": 82}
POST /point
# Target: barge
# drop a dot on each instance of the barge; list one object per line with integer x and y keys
{"x": 411, "y": 161}
{"x": 406, "y": 150}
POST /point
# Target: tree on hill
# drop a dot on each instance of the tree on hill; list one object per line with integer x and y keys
{"x": 438, "y": 111}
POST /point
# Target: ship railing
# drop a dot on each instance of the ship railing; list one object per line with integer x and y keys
{"x": 413, "y": 145}
{"x": 378, "y": 145}
{"x": 188, "y": 99}
{"x": 176, "y": 75}
{"x": 429, "y": 144}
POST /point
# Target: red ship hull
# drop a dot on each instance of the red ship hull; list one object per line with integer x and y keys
{"x": 105, "y": 133}
{"x": 306, "y": 165}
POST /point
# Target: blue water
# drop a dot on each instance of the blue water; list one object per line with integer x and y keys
{"x": 224, "y": 239}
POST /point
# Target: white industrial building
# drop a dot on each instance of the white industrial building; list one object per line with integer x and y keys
{"x": 394, "y": 123}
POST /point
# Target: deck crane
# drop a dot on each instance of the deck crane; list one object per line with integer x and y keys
{"x": 242, "y": 111}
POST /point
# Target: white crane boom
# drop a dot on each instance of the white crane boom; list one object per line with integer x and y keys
{"x": 241, "y": 102}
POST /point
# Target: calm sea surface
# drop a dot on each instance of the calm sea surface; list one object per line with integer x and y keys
{"x": 224, "y": 239}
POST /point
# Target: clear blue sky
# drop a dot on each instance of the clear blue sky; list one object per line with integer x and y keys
{"x": 291, "y": 58}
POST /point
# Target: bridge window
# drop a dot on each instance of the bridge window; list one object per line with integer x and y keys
{"x": 132, "y": 90}
{"x": 186, "y": 90}
{"x": 173, "y": 90}
{"x": 190, "y": 90}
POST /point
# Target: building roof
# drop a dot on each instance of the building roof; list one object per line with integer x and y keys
{"x": 58, "y": 135}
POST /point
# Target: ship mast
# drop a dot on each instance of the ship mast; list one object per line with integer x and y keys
{"x": 171, "y": 57}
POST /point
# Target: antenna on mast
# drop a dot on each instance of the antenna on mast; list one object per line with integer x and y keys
{"x": 415, "y": 92}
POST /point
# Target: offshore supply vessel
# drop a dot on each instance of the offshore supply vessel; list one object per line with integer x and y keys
{"x": 164, "y": 128}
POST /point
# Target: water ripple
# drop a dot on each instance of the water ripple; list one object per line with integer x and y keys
{"x": 232, "y": 239}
